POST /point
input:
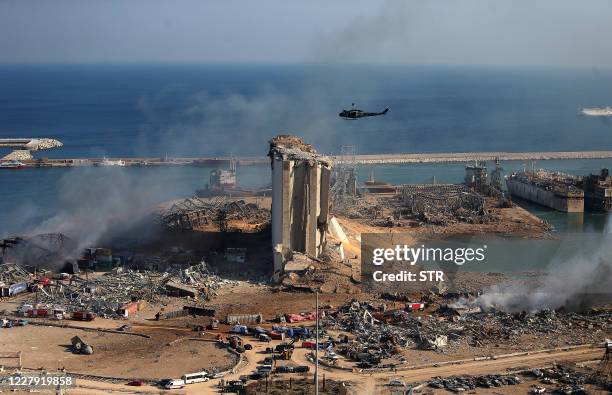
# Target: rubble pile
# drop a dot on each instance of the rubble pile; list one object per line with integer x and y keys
{"x": 569, "y": 380}
{"x": 356, "y": 207}
{"x": 193, "y": 213}
{"x": 375, "y": 339}
{"x": 443, "y": 204}
{"x": 19, "y": 155}
{"x": 104, "y": 295}
{"x": 467, "y": 383}
{"x": 481, "y": 327}
{"x": 44, "y": 144}
{"x": 305, "y": 273}
{"x": 293, "y": 147}
{"x": 11, "y": 273}
{"x": 380, "y": 333}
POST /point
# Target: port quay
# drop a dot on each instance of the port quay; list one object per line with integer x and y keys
{"x": 358, "y": 159}
{"x": 25, "y": 147}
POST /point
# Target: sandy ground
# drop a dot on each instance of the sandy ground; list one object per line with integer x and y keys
{"x": 115, "y": 355}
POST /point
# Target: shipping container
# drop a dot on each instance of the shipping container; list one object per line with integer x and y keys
{"x": 128, "y": 308}
{"x": 17, "y": 288}
{"x": 274, "y": 335}
{"x": 37, "y": 313}
{"x": 83, "y": 316}
{"x": 242, "y": 329}
{"x": 244, "y": 319}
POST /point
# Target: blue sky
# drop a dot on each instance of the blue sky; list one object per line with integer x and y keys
{"x": 468, "y": 32}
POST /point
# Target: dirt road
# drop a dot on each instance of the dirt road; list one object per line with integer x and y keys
{"x": 366, "y": 383}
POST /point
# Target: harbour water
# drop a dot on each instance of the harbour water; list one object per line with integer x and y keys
{"x": 207, "y": 110}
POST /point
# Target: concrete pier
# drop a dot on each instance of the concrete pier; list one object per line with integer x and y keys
{"x": 370, "y": 159}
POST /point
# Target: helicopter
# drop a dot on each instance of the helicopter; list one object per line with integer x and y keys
{"x": 354, "y": 113}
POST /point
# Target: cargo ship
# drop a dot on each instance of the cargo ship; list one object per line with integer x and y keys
{"x": 110, "y": 162}
{"x": 598, "y": 191}
{"x": 597, "y": 111}
{"x": 555, "y": 190}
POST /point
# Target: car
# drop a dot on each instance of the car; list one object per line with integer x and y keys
{"x": 284, "y": 369}
{"x": 396, "y": 383}
{"x": 258, "y": 375}
{"x": 235, "y": 385}
{"x": 268, "y": 361}
{"x": 264, "y": 368}
{"x": 248, "y": 346}
{"x": 136, "y": 383}
{"x": 174, "y": 384}
{"x": 163, "y": 382}
{"x": 124, "y": 327}
{"x": 301, "y": 369}
{"x": 265, "y": 338}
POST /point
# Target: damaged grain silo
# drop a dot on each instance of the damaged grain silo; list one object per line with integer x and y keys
{"x": 300, "y": 199}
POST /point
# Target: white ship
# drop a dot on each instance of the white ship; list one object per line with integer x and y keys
{"x": 597, "y": 111}
{"x": 109, "y": 162}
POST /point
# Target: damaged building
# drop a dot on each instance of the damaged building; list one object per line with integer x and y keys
{"x": 300, "y": 199}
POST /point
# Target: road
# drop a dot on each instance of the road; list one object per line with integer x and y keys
{"x": 365, "y": 382}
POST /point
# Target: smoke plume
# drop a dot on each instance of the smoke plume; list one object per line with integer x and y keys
{"x": 97, "y": 204}
{"x": 573, "y": 283}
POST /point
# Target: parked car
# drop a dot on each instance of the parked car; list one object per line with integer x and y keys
{"x": 258, "y": 375}
{"x": 284, "y": 369}
{"x": 136, "y": 383}
{"x": 173, "y": 384}
{"x": 301, "y": 369}
{"x": 264, "y": 368}
{"x": 396, "y": 383}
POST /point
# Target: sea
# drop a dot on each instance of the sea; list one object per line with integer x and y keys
{"x": 179, "y": 110}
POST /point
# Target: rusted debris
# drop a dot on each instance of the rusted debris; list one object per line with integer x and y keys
{"x": 195, "y": 213}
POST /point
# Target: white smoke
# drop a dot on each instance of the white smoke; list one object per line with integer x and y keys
{"x": 95, "y": 203}
{"x": 236, "y": 122}
{"x": 572, "y": 283}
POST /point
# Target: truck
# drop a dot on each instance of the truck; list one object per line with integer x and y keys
{"x": 171, "y": 384}
{"x": 83, "y": 315}
{"x": 128, "y": 308}
{"x": 37, "y": 313}
{"x": 58, "y": 313}
{"x": 23, "y": 309}
{"x": 415, "y": 306}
